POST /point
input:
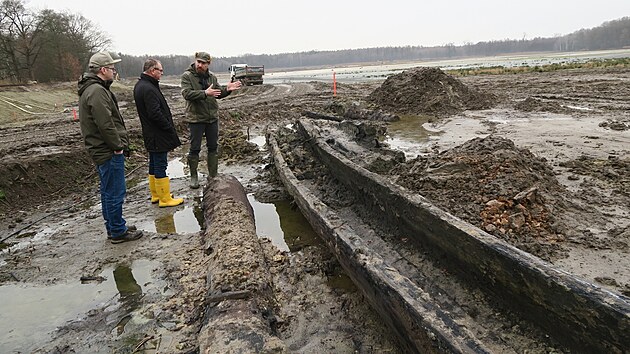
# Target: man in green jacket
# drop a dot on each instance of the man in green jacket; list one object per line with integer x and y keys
{"x": 105, "y": 137}
{"x": 201, "y": 90}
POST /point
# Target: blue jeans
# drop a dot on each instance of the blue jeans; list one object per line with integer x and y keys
{"x": 113, "y": 191}
{"x": 197, "y": 130}
{"x": 157, "y": 164}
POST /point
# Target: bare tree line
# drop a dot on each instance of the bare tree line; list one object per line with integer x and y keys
{"x": 44, "y": 46}
{"x": 55, "y": 46}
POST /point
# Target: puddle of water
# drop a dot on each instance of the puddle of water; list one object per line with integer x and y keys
{"x": 29, "y": 314}
{"x": 188, "y": 220}
{"x": 27, "y": 239}
{"x": 261, "y": 141}
{"x": 289, "y": 230}
{"x": 410, "y": 135}
{"x": 285, "y": 226}
{"x": 175, "y": 169}
{"x": 297, "y": 230}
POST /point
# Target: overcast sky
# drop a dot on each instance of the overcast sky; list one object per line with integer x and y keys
{"x": 231, "y": 28}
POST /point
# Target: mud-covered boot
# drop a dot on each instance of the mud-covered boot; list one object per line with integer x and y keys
{"x": 193, "y": 162}
{"x": 163, "y": 187}
{"x": 213, "y": 164}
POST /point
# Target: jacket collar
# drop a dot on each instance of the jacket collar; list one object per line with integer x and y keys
{"x": 149, "y": 78}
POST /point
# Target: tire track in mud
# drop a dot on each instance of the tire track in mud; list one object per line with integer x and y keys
{"x": 253, "y": 95}
{"x": 17, "y": 140}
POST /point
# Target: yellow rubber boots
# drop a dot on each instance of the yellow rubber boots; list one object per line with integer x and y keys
{"x": 154, "y": 195}
{"x": 163, "y": 188}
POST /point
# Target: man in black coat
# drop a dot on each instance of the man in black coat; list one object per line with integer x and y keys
{"x": 158, "y": 131}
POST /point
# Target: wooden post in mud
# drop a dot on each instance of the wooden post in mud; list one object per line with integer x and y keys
{"x": 334, "y": 84}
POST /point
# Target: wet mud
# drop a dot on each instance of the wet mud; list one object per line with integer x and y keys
{"x": 539, "y": 160}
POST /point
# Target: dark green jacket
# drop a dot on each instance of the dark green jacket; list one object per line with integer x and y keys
{"x": 102, "y": 126}
{"x": 199, "y": 107}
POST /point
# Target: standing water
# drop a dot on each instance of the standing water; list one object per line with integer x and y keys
{"x": 29, "y": 315}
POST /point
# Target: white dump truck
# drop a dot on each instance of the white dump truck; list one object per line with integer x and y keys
{"x": 247, "y": 74}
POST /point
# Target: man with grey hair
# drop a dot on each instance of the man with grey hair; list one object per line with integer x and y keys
{"x": 158, "y": 131}
{"x": 105, "y": 137}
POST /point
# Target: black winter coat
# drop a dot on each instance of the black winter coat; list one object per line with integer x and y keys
{"x": 158, "y": 129}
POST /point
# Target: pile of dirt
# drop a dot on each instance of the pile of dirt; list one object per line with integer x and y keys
{"x": 428, "y": 91}
{"x": 496, "y": 186}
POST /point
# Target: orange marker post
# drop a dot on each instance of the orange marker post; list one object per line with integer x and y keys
{"x": 74, "y": 113}
{"x": 334, "y": 83}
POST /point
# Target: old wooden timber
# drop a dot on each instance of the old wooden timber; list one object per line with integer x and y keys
{"x": 485, "y": 287}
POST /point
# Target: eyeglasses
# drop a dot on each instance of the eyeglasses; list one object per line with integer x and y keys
{"x": 112, "y": 69}
{"x": 158, "y": 69}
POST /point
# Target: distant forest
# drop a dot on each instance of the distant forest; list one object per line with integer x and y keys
{"x": 50, "y": 46}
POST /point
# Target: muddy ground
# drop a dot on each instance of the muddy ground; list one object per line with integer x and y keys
{"x": 540, "y": 159}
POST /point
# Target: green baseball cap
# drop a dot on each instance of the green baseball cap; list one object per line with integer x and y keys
{"x": 102, "y": 59}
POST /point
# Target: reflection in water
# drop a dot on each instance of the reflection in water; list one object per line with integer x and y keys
{"x": 165, "y": 224}
{"x": 175, "y": 169}
{"x": 409, "y": 135}
{"x": 198, "y": 212}
{"x": 284, "y": 225}
{"x": 130, "y": 294}
{"x": 30, "y": 314}
{"x": 170, "y": 221}
{"x": 268, "y": 222}
{"x": 297, "y": 231}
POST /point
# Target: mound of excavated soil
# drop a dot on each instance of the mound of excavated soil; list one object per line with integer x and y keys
{"x": 531, "y": 104}
{"x": 502, "y": 189}
{"x": 428, "y": 91}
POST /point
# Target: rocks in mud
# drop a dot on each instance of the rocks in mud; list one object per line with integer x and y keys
{"x": 424, "y": 90}
{"x": 615, "y": 125}
{"x": 496, "y": 186}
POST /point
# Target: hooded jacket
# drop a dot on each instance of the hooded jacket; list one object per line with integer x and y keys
{"x": 102, "y": 125}
{"x": 199, "y": 107}
{"x": 158, "y": 129}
